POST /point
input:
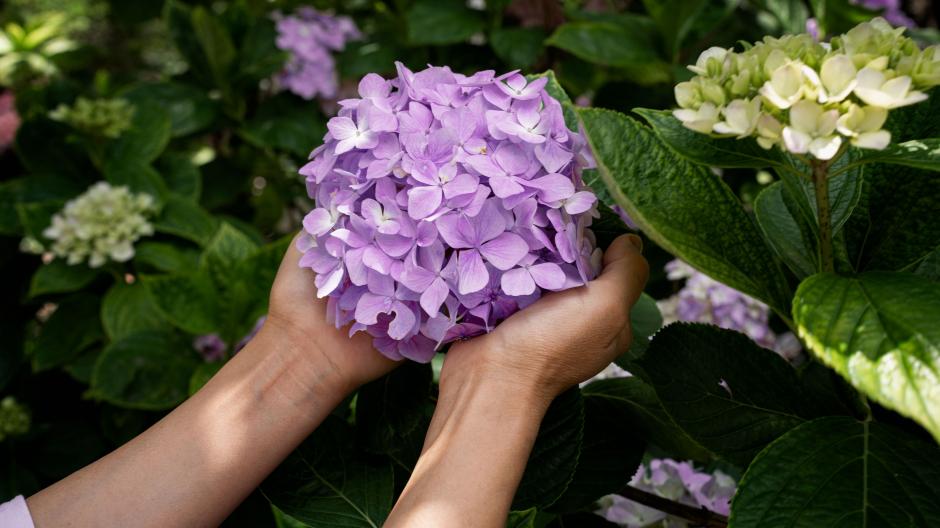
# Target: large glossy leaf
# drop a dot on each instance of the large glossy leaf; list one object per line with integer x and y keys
{"x": 183, "y": 218}
{"x": 708, "y": 150}
{"x": 189, "y": 301}
{"x": 636, "y": 403}
{"x": 610, "y": 453}
{"x": 554, "y": 458}
{"x": 787, "y": 230}
{"x": 188, "y": 107}
{"x": 725, "y": 391}
{"x": 72, "y": 328}
{"x": 327, "y": 483}
{"x": 145, "y": 370}
{"x": 128, "y": 309}
{"x": 59, "y": 277}
{"x": 137, "y": 176}
{"x": 144, "y": 141}
{"x": 624, "y": 41}
{"x": 393, "y": 413}
{"x": 163, "y": 256}
{"x": 683, "y": 207}
{"x": 836, "y": 471}
{"x": 895, "y": 225}
{"x": 645, "y": 320}
{"x": 216, "y": 43}
{"x": 918, "y": 153}
{"x": 437, "y": 22}
{"x": 879, "y": 330}
{"x": 181, "y": 175}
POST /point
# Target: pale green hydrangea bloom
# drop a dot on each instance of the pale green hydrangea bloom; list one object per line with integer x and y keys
{"x": 100, "y": 225}
{"x": 808, "y": 97}
{"x": 98, "y": 117}
{"x": 14, "y": 418}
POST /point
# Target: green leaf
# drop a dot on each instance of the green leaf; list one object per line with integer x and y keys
{"x": 216, "y": 44}
{"x": 625, "y": 41}
{"x": 145, "y": 370}
{"x": 182, "y": 177}
{"x": 674, "y": 19}
{"x": 518, "y": 47}
{"x": 919, "y": 153}
{"x": 51, "y": 188}
{"x": 702, "y": 372}
{"x": 879, "y": 330}
{"x": 845, "y": 189}
{"x": 139, "y": 177}
{"x": 227, "y": 246}
{"x": 554, "y": 458}
{"x": 610, "y": 453}
{"x": 437, "y": 22}
{"x": 35, "y": 217}
{"x": 836, "y": 471}
{"x": 72, "y": 328}
{"x": 128, "y": 309}
{"x": 189, "y": 108}
{"x": 791, "y": 15}
{"x": 635, "y": 402}
{"x": 895, "y": 225}
{"x": 786, "y": 230}
{"x": 327, "y": 483}
{"x": 59, "y": 277}
{"x": 708, "y": 150}
{"x": 646, "y": 320}
{"x": 915, "y": 121}
{"x": 183, "y": 218}
{"x": 393, "y": 413}
{"x": 163, "y": 256}
{"x": 144, "y": 141}
{"x": 259, "y": 57}
{"x": 283, "y": 123}
{"x": 203, "y": 374}
{"x": 683, "y": 207}
{"x": 189, "y": 301}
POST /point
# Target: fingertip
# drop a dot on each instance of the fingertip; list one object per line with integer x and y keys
{"x": 621, "y": 246}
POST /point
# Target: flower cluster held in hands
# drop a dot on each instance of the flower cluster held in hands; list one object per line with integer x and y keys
{"x": 310, "y": 38}
{"x": 100, "y": 225}
{"x": 809, "y": 97}
{"x": 445, "y": 203}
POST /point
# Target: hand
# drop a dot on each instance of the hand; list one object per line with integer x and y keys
{"x": 299, "y": 316}
{"x": 566, "y": 337}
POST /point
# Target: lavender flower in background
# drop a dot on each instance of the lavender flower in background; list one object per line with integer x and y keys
{"x": 445, "y": 203}
{"x": 210, "y": 346}
{"x": 812, "y": 27}
{"x": 890, "y": 10}
{"x": 705, "y": 300}
{"x": 311, "y": 38}
{"x": 9, "y": 120}
{"x": 676, "y": 481}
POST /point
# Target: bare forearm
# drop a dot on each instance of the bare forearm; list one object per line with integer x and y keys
{"x": 197, "y": 464}
{"x": 474, "y": 455}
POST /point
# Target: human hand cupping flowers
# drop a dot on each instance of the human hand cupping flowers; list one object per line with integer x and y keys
{"x": 807, "y": 96}
{"x": 445, "y": 203}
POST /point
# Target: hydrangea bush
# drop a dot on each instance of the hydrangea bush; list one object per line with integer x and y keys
{"x": 207, "y": 110}
{"x": 445, "y": 203}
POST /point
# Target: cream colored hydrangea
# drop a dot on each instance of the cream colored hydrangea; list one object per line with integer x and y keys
{"x": 808, "y": 97}
{"x": 100, "y": 225}
{"x": 100, "y": 117}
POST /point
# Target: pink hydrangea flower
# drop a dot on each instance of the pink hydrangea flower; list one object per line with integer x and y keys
{"x": 445, "y": 203}
{"x": 9, "y": 120}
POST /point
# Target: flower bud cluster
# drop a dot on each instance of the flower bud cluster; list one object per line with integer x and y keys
{"x": 676, "y": 481}
{"x": 98, "y": 117}
{"x": 445, "y": 203}
{"x": 14, "y": 418}
{"x": 808, "y": 97}
{"x": 311, "y": 38}
{"x": 100, "y": 225}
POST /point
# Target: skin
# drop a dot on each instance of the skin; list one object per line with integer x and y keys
{"x": 199, "y": 462}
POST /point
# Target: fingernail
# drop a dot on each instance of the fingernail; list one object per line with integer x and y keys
{"x": 636, "y": 241}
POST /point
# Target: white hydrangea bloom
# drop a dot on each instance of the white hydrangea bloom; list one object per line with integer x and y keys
{"x": 100, "y": 225}
{"x": 809, "y": 97}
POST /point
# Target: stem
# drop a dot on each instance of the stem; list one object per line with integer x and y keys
{"x": 823, "y": 213}
{"x": 697, "y": 516}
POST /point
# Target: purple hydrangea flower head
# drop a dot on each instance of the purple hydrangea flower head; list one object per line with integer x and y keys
{"x": 445, "y": 203}
{"x": 311, "y": 37}
{"x": 705, "y": 300}
{"x": 210, "y": 346}
{"x": 676, "y": 481}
